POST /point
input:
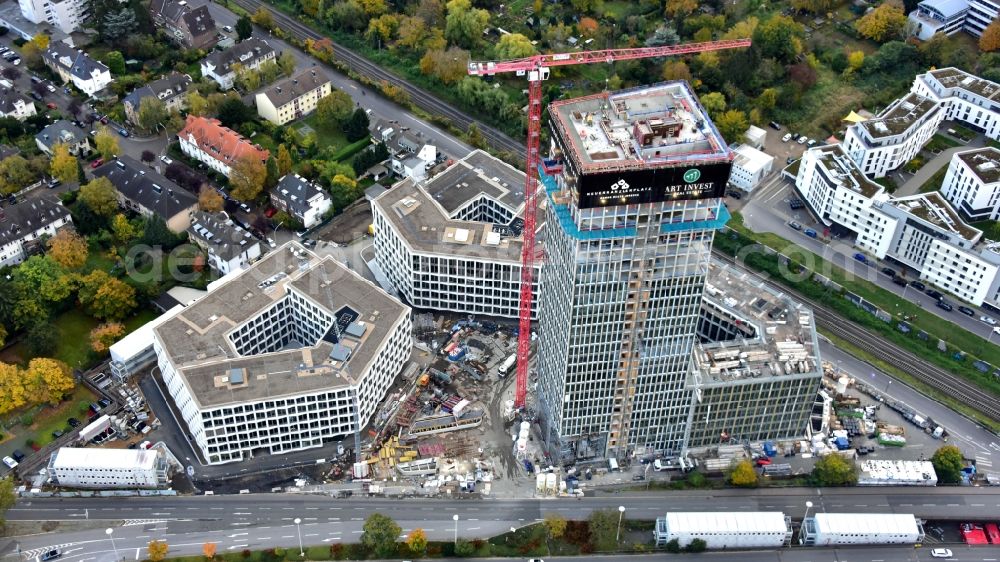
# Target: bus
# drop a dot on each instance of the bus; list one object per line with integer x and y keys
{"x": 507, "y": 364}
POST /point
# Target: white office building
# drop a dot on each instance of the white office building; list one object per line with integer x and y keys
{"x": 832, "y": 529}
{"x": 750, "y": 167}
{"x": 287, "y": 355}
{"x": 972, "y": 183}
{"x": 895, "y": 136}
{"x": 454, "y": 242}
{"x": 951, "y": 16}
{"x": 66, "y": 15}
{"x": 719, "y": 530}
{"x": 91, "y": 467}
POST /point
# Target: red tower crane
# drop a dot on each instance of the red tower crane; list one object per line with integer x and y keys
{"x": 536, "y": 68}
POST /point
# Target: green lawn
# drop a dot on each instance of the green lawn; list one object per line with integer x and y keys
{"x": 991, "y": 229}
{"x": 326, "y": 136}
{"x": 940, "y": 142}
{"x": 934, "y": 182}
{"x": 50, "y": 419}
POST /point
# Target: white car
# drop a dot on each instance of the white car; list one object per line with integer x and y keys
{"x": 787, "y": 137}
{"x": 11, "y": 463}
{"x": 50, "y": 88}
{"x": 988, "y": 320}
{"x": 270, "y": 242}
{"x": 803, "y": 139}
{"x": 145, "y": 445}
{"x": 941, "y": 553}
{"x": 166, "y": 160}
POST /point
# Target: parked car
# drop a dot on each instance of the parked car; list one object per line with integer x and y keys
{"x": 245, "y": 207}
{"x": 796, "y": 203}
{"x": 123, "y": 132}
{"x": 787, "y": 137}
{"x": 97, "y": 162}
{"x": 166, "y": 160}
{"x": 944, "y": 305}
{"x": 57, "y": 434}
{"x": 35, "y": 96}
{"x": 988, "y": 320}
{"x": 941, "y": 553}
{"x": 966, "y": 311}
{"x": 735, "y": 194}
{"x": 104, "y": 120}
{"x": 918, "y": 285}
{"x": 860, "y": 257}
{"x": 794, "y": 225}
{"x": 803, "y": 139}
{"x": 309, "y": 243}
{"x": 51, "y": 105}
{"x": 889, "y": 271}
{"x": 810, "y": 233}
{"x": 811, "y": 143}
{"x": 73, "y": 422}
{"x": 933, "y": 294}
{"x": 18, "y": 456}
{"x": 227, "y": 28}
{"x": 270, "y": 242}
{"x": 774, "y": 125}
{"x": 50, "y": 88}
{"x": 146, "y": 445}
{"x": 11, "y": 463}
{"x": 104, "y": 402}
{"x": 899, "y": 281}
{"x": 763, "y": 461}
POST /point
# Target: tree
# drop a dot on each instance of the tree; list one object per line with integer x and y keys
{"x": 286, "y": 62}
{"x": 115, "y": 62}
{"x": 664, "y": 35}
{"x": 696, "y": 545}
{"x": 990, "y": 40}
{"x": 474, "y": 136}
{"x": 42, "y": 339}
{"x": 41, "y": 279}
{"x": 767, "y": 99}
{"x": 416, "y": 541}
{"x": 514, "y": 46}
{"x": 196, "y": 104}
{"x": 49, "y": 378}
{"x": 284, "y": 160}
{"x": 209, "y": 200}
{"x": 106, "y": 143}
{"x": 10, "y": 73}
{"x": 118, "y": 25}
{"x": 732, "y": 125}
{"x": 263, "y": 18}
{"x": 32, "y": 50}
{"x": 676, "y": 70}
{"x": 447, "y": 66}
{"x": 464, "y": 548}
{"x": 779, "y": 38}
{"x": 464, "y": 24}
{"x": 12, "y": 391}
{"x": 233, "y": 112}
{"x": 6, "y": 497}
{"x": 382, "y": 29}
{"x": 374, "y": 8}
{"x": 100, "y": 196}
{"x": 603, "y": 525}
{"x": 884, "y": 23}
{"x": 122, "y": 230}
{"x": 246, "y": 177}
{"x": 271, "y": 178}
{"x": 714, "y": 103}
{"x": 105, "y": 297}
{"x": 158, "y": 550}
{"x": 555, "y": 525}
{"x": 356, "y": 127}
{"x": 743, "y": 475}
{"x": 856, "y": 59}
{"x": 948, "y": 463}
{"x": 335, "y": 109}
{"x": 63, "y": 165}
{"x": 152, "y": 112}
{"x": 14, "y": 174}
{"x": 106, "y": 334}
{"x": 68, "y": 249}
{"x": 244, "y": 28}
{"x": 147, "y": 157}
{"x": 834, "y": 470}
{"x": 588, "y": 27}
{"x": 208, "y": 550}
{"x": 679, "y": 8}
{"x": 380, "y": 534}
{"x": 815, "y": 7}
{"x": 411, "y": 33}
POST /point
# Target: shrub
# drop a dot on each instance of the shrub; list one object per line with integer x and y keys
{"x": 337, "y": 551}
{"x": 478, "y": 544}
{"x": 673, "y": 546}
{"x": 246, "y": 553}
{"x": 464, "y": 548}
{"x": 696, "y": 545}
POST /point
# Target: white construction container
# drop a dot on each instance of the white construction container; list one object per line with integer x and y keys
{"x": 825, "y": 529}
{"x": 762, "y": 529}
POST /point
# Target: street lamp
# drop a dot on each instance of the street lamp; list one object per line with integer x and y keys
{"x": 455, "y": 519}
{"x": 109, "y": 532}
{"x": 621, "y": 513}
{"x": 802, "y": 528}
{"x": 298, "y": 530}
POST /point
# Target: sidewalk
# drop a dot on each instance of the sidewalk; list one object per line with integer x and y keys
{"x": 912, "y": 185}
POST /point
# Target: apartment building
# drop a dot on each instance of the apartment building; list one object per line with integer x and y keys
{"x": 294, "y": 97}
{"x": 895, "y": 135}
{"x": 750, "y": 167}
{"x": 101, "y": 469}
{"x": 27, "y": 218}
{"x": 187, "y": 22}
{"x": 216, "y": 146}
{"x": 229, "y": 246}
{"x": 249, "y": 54}
{"x": 76, "y": 67}
{"x": 144, "y": 191}
{"x": 972, "y": 183}
{"x": 289, "y": 354}
{"x": 65, "y": 15}
{"x": 304, "y": 200}
{"x": 77, "y": 140}
{"x": 171, "y": 90}
{"x": 15, "y": 105}
{"x": 951, "y": 16}
{"x": 964, "y": 97}
{"x": 454, "y": 242}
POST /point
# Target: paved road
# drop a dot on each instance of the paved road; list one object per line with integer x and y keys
{"x": 248, "y": 521}
{"x": 768, "y": 211}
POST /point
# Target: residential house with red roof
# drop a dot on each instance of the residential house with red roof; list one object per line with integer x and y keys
{"x": 218, "y": 147}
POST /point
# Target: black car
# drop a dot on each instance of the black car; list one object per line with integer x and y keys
{"x": 104, "y": 402}
{"x": 35, "y": 96}
{"x": 918, "y": 285}
{"x": 933, "y": 294}
{"x": 18, "y": 456}
{"x": 796, "y": 204}
{"x": 735, "y": 194}
{"x": 944, "y": 305}
{"x": 775, "y": 126}
{"x": 966, "y": 311}
{"x": 899, "y": 281}
{"x": 889, "y": 271}
{"x": 57, "y": 434}
{"x": 73, "y": 422}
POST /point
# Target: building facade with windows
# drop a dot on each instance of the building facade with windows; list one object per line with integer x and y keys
{"x": 304, "y": 200}
{"x": 65, "y": 15}
{"x": 972, "y": 183}
{"x": 454, "y": 242}
{"x": 91, "y": 467}
{"x": 171, "y": 90}
{"x": 287, "y": 355}
{"x": 146, "y": 192}
{"x": 228, "y": 245}
{"x": 294, "y": 97}
{"x": 76, "y": 66}
{"x": 77, "y": 140}
{"x": 249, "y": 54}
{"x": 209, "y": 142}
{"x": 186, "y": 22}
{"x": 750, "y": 167}
{"x": 15, "y": 105}
{"x": 25, "y": 220}
{"x": 895, "y": 135}
{"x": 952, "y": 16}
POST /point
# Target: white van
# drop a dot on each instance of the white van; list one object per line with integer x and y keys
{"x": 612, "y": 465}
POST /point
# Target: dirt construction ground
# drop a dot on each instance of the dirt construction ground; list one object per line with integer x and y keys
{"x": 347, "y": 226}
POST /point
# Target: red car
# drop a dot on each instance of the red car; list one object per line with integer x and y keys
{"x": 50, "y": 105}
{"x": 104, "y": 120}
{"x": 270, "y": 212}
{"x": 97, "y": 162}
{"x": 763, "y": 461}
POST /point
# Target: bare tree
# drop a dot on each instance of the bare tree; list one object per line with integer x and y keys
{"x": 11, "y": 73}
{"x": 147, "y": 156}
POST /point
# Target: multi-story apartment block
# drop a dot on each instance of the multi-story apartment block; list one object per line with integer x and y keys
{"x": 294, "y": 97}
{"x": 304, "y": 200}
{"x": 952, "y": 16}
{"x": 249, "y": 54}
{"x": 65, "y": 15}
{"x": 88, "y": 75}
{"x": 229, "y": 246}
{"x": 454, "y": 243}
{"x": 171, "y": 90}
{"x": 286, "y": 355}
{"x": 15, "y": 105}
{"x": 23, "y": 221}
{"x": 218, "y": 147}
{"x": 63, "y": 132}
{"x": 108, "y": 468}
{"x": 964, "y": 97}
{"x": 187, "y": 22}
{"x": 972, "y": 183}
{"x": 148, "y": 193}
{"x": 750, "y": 167}
{"x": 630, "y": 215}
{"x": 895, "y": 136}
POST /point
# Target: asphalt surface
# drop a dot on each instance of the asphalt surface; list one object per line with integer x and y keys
{"x": 252, "y": 521}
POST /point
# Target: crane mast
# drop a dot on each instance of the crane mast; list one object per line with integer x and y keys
{"x": 536, "y": 69}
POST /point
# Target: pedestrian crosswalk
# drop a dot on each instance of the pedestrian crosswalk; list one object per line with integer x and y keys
{"x": 984, "y": 462}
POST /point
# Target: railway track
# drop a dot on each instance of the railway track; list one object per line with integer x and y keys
{"x": 933, "y": 376}
{"x": 880, "y": 348}
{"x": 365, "y": 67}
